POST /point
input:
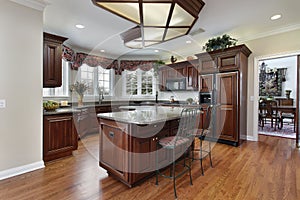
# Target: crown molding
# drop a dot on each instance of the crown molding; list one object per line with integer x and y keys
{"x": 285, "y": 29}
{"x": 35, "y": 4}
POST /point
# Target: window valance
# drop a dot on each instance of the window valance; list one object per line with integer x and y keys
{"x": 133, "y": 65}
{"x": 77, "y": 59}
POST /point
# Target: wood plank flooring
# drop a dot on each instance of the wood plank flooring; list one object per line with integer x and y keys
{"x": 268, "y": 169}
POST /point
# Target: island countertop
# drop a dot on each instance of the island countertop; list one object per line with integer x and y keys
{"x": 144, "y": 115}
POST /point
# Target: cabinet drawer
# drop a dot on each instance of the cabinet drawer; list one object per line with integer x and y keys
{"x": 147, "y": 131}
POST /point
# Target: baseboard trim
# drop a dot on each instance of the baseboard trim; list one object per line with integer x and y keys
{"x": 21, "y": 170}
{"x": 249, "y": 138}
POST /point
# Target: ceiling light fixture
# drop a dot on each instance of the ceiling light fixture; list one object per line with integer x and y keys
{"x": 277, "y": 16}
{"x": 188, "y": 41}
{"x": 156, "y": 51}
{"x": 80, "y": 26}
{"x": 157, "y": 21}
{"x": 102, "y": 50}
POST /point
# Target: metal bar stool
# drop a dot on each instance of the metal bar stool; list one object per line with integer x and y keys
{"x": 201, "y": 135}
{"x": 179, "y": 145}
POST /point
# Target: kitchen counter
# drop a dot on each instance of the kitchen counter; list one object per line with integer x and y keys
{"x": 61, "y": 111}
{"x": 144, "y": 114}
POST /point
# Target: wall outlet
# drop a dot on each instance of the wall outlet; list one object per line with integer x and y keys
{"x": 251, "y": 98}
{"x": 2, "y": 103}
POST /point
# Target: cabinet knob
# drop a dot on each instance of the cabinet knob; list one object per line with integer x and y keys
{"x": 111, "y": 134}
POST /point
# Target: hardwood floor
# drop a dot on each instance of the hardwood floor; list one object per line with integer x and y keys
{"x": 268, "y": 169}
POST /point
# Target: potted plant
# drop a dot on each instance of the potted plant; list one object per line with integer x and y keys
{"x": 79, "y": 88}
{"x": 156, "y": 66}
{"x": 222, "y": 42}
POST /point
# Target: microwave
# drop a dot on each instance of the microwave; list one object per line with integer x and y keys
{"x": 176, "y": 84}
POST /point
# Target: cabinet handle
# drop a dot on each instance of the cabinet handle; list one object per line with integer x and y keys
{"x": 111, "y": 134}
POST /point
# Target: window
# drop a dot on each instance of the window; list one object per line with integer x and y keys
{"x": 96, "y": 77}
{"x": 62, "y": 91}
{"x": 139, "y": 82}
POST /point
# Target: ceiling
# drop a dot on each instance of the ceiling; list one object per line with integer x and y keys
{"x": 243, "y": 20}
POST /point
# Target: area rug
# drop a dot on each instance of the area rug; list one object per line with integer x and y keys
{"x": 287, "y": 131}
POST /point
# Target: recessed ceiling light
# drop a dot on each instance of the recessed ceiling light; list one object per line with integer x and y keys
{"x": 277, "y": 16}
{"x": 188, "y": 41}
{"x": 80, "y": 26}
{"x": 102, "y": 50}
{"x": 156, "y": 51}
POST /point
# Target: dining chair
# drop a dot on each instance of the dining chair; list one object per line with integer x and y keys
{"x": 268, "y": 110}
{"x": 202, "y": 134}
{"x": 288, "y": 116}
{"x": 179, "y": 146}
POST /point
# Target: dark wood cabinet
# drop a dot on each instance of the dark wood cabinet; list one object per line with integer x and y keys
{"x": 128, "y": 151}
{"x": 52, "y": 60}
{"x": 206, "y": 83}
{"x": 88, "y": 121}
{"x": 59, "y": 136}
{"x": 207, "y": 64}
{"x": 226, "y": 113}
{"x": 285, "y": 101}
{"x": 228, "y": 69}
{"x": 192, "y": 75}
{"x": 185, "y": 69}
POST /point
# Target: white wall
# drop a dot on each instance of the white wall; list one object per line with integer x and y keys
{"x": 21, "y": 87}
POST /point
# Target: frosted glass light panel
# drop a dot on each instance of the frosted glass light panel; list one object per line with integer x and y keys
{"x": 155, "y": 34}
{"x": 181, "y": 18}
{"x": 126, "y": 10}
{"x": 156, "y": 14}
{"x": 175, "y": 32}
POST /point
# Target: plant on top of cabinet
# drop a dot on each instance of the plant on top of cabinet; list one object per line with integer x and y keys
{"x": 222, "y": 42}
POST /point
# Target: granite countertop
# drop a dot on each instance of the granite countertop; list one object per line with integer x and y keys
{"x": 62, "y": 111}
{"x": 144, "y": 115}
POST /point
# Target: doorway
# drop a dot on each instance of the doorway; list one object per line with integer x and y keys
{"x": 283, "y": 64}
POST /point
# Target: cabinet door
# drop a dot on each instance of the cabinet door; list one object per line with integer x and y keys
{"x": 52, "y": 60}
{"x": 60, "y": 137}
{"x": 163, "y": 74}
{"x": 207, "y": 64}
{"x": 180, "y": 72}
{"x": 192, "y": 77}
{"x": 52, "y": 75}
{"x": 113, "y": 149}
{"x": 228, "y": 62}
{"x": 226, "y": 116}
{"x": 206, "y": 83}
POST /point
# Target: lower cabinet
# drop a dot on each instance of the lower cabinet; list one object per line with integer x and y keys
{"x": 59, "y": 137}
{"x": 128, "y": 151}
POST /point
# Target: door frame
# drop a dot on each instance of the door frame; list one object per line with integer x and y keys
{"x": 256, "y": 86}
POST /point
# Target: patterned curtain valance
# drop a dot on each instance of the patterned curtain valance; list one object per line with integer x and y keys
{"x": 68, "y": 54}
{"x": 132, "y": 65}
{"x": 78, "y": 59}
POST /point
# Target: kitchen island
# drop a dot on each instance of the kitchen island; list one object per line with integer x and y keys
{"x": 128, "y": 141}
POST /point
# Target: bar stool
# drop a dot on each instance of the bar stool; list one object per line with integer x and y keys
{"x": 179, "y": 145}
{"x": 201, "y": 135}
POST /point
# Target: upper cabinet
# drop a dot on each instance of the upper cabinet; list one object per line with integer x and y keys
{"x": 223, "y": 60}
{"x": 185, "y": 69}
{"x": 52, "y": 60}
